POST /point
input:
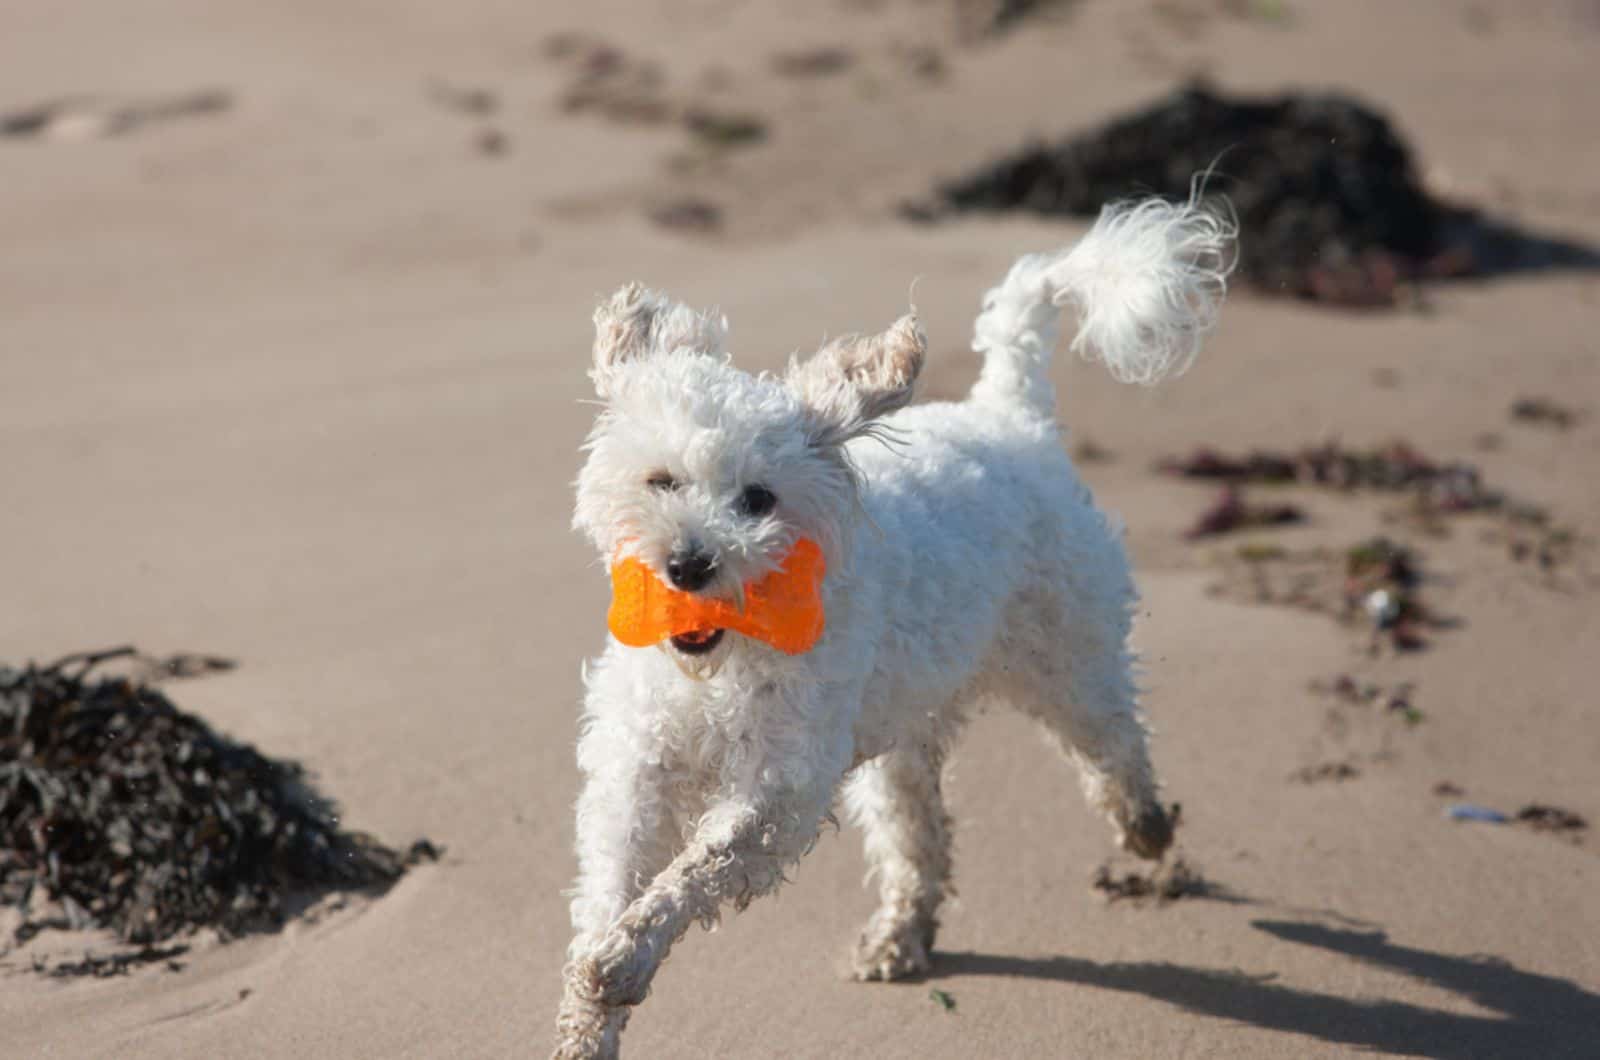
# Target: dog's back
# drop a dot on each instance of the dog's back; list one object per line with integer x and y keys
{"x": 975, "y": 502}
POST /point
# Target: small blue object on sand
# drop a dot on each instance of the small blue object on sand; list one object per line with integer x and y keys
{"x": 1466, "y": 811}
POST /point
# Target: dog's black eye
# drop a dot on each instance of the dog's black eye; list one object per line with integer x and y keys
{"x": 757, "y": 501}
{"x": 662, "y": 481}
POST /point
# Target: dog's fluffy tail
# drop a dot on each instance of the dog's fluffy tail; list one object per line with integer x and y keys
{"x": 1147, "y": 282}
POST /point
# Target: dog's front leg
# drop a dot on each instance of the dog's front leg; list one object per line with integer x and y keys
{"x": 739, "y": 852}
{"x": 627, "y": 832}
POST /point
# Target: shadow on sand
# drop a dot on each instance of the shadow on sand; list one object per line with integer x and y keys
{"x": 1500, "y": 248}
{"x": 1538, "y": 1015}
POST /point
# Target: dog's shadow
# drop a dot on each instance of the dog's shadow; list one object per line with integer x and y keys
{"x": 1537, "y": 1015}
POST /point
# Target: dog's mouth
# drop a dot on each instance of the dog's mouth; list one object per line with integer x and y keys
{"x": 699, "y": 642}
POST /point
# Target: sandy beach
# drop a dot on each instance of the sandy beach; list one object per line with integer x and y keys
{"x": 297, "y": 377}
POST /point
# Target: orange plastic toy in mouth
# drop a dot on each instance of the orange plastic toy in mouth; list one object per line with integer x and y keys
{"x": 784, "y": 609}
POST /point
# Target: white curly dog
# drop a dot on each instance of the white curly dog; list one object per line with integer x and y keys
{"x": 965, "y": 562}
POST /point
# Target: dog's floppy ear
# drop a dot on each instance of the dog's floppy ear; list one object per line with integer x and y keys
{"x": 636, "y": 322}
{"x": 855, "y": 379}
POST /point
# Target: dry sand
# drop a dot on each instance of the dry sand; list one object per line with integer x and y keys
{"x": 299, "y": 382}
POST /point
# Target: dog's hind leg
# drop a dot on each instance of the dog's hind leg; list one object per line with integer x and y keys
{"x": 1075, "y": 676}
{"x": 896, "y": 800}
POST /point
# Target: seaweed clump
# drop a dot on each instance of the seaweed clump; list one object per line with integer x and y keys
{"x": 1438, "y": 487}
{"x": 134, "y": 816}
{"x": 1330, "y": 200}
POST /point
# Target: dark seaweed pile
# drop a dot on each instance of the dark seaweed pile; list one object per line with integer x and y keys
{"x": 1328, "y": 198}
{"x": 135, "y": 816}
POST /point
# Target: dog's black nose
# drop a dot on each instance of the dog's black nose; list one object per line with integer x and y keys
{"x": 690, "y": 571}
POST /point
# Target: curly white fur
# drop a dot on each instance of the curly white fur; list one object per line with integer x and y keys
{"x": 1148, "y": 281}
{"x": 988, "y": 574}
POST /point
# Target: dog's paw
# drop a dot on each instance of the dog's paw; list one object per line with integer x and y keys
{"x": 586, "y": 1047}
{"x": 1149, "y": 834}
{"x": 889, "y": 950}
{"x": 588, "y": 1031}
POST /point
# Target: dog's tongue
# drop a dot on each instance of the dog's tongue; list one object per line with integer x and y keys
{"x": 697, "y": 636}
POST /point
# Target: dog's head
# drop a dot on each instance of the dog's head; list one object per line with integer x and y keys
{"x": 709, "y": 474}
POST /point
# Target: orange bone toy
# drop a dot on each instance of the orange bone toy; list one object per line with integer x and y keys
{"x": 784, "y": 609}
